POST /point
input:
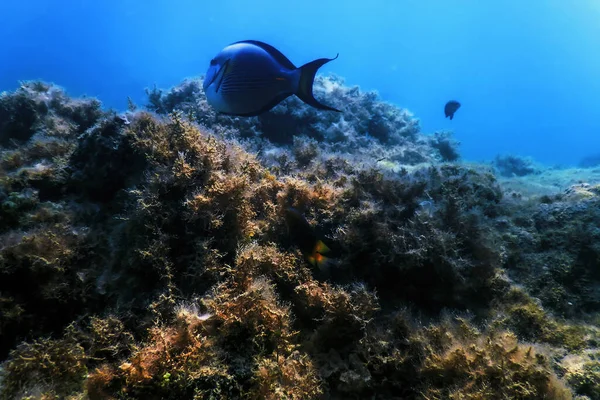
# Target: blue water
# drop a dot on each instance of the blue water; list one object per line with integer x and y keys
{"x": 526, "y": 72}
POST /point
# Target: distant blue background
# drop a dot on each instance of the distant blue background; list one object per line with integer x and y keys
{"x": 526, "y": 72}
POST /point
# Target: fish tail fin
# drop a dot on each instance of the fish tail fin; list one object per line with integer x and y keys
{"x": 322, "y": 262}
{"x": 317, "y": 259}
{"x": 325, "y": 263}
{"x": 307, "y": 77}
{"x": 451, "y": 116}
{"x": 321, "y": 247}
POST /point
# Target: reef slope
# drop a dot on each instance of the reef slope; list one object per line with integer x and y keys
{"x": 146, "y": 255}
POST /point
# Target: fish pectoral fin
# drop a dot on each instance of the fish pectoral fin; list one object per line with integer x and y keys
{"x": 222, "y": 72}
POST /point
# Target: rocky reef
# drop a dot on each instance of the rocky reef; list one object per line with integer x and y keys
{"x": 145, "y": 254}
{"x": 511, "y": 165}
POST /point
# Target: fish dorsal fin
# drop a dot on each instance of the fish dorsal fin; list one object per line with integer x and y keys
{"x": 276, "y": 54}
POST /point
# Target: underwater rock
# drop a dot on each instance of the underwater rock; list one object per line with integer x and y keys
{"x": 510, "y": 165}
{"x": 552, "y": 251}
{"x": 590, "y": 161}
{"x": 147, "y": 255}
{"x": 37, "y": 106}
{"x": 446, "y": 146}
{"x": 363, "y": 114}
{"x": 103, "y": 161}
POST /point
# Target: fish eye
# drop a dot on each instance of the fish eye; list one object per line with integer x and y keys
{"x": 213, "y": 61}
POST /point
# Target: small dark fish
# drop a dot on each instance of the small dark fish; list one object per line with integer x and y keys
{"x": 450, "y": 108}
{"x": 306, "y": 239}
{"x": 249, "y": 78}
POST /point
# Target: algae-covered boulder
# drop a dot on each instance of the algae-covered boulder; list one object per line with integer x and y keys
{"x": 554, "y": 250}
{"x": 149, "y": 255}
{"x": 363, "y": 114}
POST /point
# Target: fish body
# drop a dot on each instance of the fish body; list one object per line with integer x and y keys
{"x": 306, "y": 239}
{"x": 249, "y": 78}
{"x": 450, "y": 108}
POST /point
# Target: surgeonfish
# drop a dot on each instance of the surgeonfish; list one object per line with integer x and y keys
{"x": 249, "y": 77}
